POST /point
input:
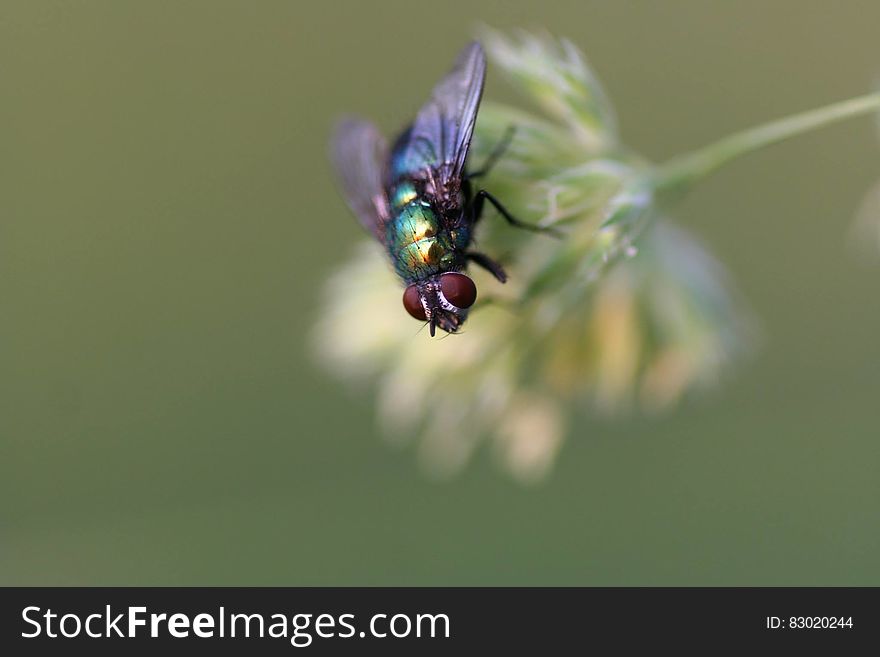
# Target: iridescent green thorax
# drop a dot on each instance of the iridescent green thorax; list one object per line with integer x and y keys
{"x": 417, "y": 240}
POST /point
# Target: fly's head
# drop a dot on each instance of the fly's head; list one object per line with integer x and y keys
{"x": 441, "y": 300}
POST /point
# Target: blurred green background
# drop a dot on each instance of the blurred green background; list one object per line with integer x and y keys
{"x": 167, "y": 217}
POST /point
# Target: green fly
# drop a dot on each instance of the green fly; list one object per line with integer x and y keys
{"x": 417, "y": 199}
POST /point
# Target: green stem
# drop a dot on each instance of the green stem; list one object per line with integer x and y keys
{"x": 677, "y": 175}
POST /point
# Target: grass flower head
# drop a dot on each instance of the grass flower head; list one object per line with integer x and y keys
{"x": 626, "y": 311}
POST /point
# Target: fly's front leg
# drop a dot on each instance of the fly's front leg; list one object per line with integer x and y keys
{"x": 484, "y": 261}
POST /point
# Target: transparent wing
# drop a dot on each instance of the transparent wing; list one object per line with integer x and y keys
{"x": 360, "y": 157}
{"x": 440, "y": 136}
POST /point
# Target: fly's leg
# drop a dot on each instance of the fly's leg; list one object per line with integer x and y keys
{"x": 495, "y": 155}
{"x": 476, "y": 211}
{"x": 484, "y": 261}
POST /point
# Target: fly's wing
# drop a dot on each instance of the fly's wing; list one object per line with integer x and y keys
{"x": 360, "y": 157}
{"x": 437, "y": 143}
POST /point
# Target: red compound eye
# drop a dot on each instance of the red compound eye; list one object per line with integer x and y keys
{"x": 458, "y": 289}
{"x": 412, "y": 301}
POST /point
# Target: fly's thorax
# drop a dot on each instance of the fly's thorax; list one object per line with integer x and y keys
{"x": 419, "y": 244}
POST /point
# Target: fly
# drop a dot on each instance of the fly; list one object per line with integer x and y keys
{"x": 416, "y": 198}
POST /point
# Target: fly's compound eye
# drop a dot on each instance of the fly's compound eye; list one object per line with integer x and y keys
{"x": 458, "y": 289}
{"x": 412, "y": 301}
